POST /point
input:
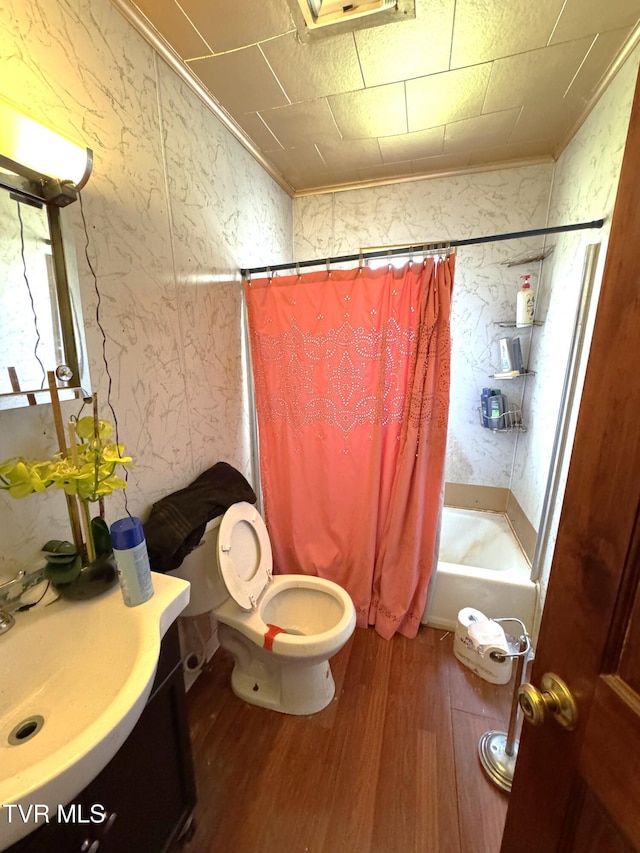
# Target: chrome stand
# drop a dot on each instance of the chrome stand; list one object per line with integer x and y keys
{"x": 498, "y": 750}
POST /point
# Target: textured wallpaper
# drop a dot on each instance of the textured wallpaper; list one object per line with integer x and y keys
{"x": 174, "y": 208}
{"x": 485, "y": 287}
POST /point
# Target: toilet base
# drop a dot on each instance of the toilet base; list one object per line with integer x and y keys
{"x": 263, "y": 678}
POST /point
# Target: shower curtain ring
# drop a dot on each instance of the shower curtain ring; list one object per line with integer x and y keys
{"x": 329, "y": 267}
{"x": 298, "y": 269}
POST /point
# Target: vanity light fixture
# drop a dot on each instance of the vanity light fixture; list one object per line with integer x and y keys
{"x": 52, "y": 167}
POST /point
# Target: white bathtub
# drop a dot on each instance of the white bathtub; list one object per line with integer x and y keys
{"x": 481, "y": 565}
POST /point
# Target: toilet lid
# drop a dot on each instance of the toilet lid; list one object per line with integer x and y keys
{"x": 244, "y": 554}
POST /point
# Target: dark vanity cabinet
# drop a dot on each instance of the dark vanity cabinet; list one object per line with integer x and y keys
{"x": 147, "y": 791}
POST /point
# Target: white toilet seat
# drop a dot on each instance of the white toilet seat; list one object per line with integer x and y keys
{"x": 244, "y": 554}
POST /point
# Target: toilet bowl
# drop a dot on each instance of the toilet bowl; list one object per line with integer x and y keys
{"x": 281, "y": 630}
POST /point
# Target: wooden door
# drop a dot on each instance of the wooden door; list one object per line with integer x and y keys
{"x": 580, "y": 790}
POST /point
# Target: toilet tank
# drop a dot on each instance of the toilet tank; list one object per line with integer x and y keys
{"x": 200, "y": 568}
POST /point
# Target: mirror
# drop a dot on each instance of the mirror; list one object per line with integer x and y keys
{"x": 41, "y": 326}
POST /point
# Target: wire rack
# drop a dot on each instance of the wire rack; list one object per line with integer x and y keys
{"x": 510, "y": 421}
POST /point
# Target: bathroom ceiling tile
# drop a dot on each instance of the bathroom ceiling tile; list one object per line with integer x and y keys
{"x": 352, "y": 153}
{"x": 303, "y": 123}
{"x": 594, "y": 67}
{"x": 169, "y": 19}
{"x": 258, "y": 132}
{"x": 242, "y": 81}
{"x": 401, "y": 169}
{"x": 431, "y": 93}
{"x": 299, "y": 159}
{"x": 522, "y": 79}
{"x": 401, "y": 51}
{"x": 507, "y": 153}
{"x": 480, "y": 131}
{"x": 306, "y": 167}
{"x": 441, "y": 163}
{"x": 557, "y": 123}
{"x": 441, "y": 98}
{"x": 369, "y": 113}
{"x": 488, "y": 29}
{"x": 314, "y": 70}
{"x": 586, "y": 17}
{"x": 411, "y": 146}
{"x": 230, "y": 24}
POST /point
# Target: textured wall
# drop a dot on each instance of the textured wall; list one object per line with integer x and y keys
{"x": 174, "y": 207}
{"x": 485, "y": 288}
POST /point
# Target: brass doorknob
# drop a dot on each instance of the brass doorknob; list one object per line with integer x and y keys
{"x": 554, "y": 698}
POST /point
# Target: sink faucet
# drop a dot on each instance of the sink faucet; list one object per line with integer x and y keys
{"x": 6, "y": 617}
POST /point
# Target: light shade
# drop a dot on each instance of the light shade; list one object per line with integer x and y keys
{"x": 34, "y": 151}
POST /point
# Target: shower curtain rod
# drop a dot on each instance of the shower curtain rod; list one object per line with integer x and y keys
{"x": 425, "y": 247}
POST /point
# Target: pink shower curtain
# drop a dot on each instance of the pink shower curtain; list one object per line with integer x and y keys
{"x": 351, "y": 372}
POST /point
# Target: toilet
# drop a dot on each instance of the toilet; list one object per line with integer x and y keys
{"x": 281, "y": 630}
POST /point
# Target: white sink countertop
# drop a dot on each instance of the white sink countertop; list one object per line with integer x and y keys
{"x": 86, "y": 668}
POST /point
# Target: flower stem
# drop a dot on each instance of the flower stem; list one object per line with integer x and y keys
{"x": 91, "y": 548}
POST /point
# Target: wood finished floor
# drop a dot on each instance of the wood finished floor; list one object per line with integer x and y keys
{"x": 390, "y": 766}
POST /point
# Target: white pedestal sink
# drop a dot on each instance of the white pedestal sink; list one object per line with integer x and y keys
{"x": 74, "y": 679}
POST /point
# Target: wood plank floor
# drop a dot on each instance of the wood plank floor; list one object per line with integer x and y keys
{"x": 390, "y": 766}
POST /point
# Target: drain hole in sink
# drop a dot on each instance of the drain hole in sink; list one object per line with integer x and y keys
{"x": 25, "y": 730}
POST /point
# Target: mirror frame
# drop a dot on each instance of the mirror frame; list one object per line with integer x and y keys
{"x": 67, "y": 290}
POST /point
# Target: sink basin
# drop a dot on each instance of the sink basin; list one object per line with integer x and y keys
{"x": 74, "y": 679}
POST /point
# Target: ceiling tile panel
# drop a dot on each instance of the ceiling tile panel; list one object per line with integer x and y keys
{"x": 305, "y": 168}
{"x": 491, "y": 128}
{"x": 442, "y": 163}
{"x": 506, "y": 153}
{"x": 397, "y": 170}
{"x": 586, "y": 81}
{"x": 297, "y": 160}
{"x": 526, "y": 78}
{"x": 441, "y": 98}
{"x": 530, "y": 127}
{"x": 408, "y": 49}
{"x": 465, "y": 83}
{"x": 368, "y": 113}
{"x": 487, "y": 29}
{"x": 303, "y": 123}
{"x": 258, "y": 132}
{"x": 241, "y": 81}
{"x": 317, "y": 69}
{"x": 586, "y": 17}
{"x": 409, "y": 146}
{"x": 352, "y": 153}
{"x": 167, "y": 17}
{"x": 230, "y": 24}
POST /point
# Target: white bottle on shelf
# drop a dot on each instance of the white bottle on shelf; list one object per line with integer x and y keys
{"x": 525, "y": 304}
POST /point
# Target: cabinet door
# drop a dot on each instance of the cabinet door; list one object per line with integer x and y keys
{"x": 149, "y": 783}
{"x": 147, "y": 790}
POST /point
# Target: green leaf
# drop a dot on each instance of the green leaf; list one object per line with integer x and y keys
{"x": 63, "y": 574}
{"x": 101, "y": 536}
{"x": 59, "y": 547}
